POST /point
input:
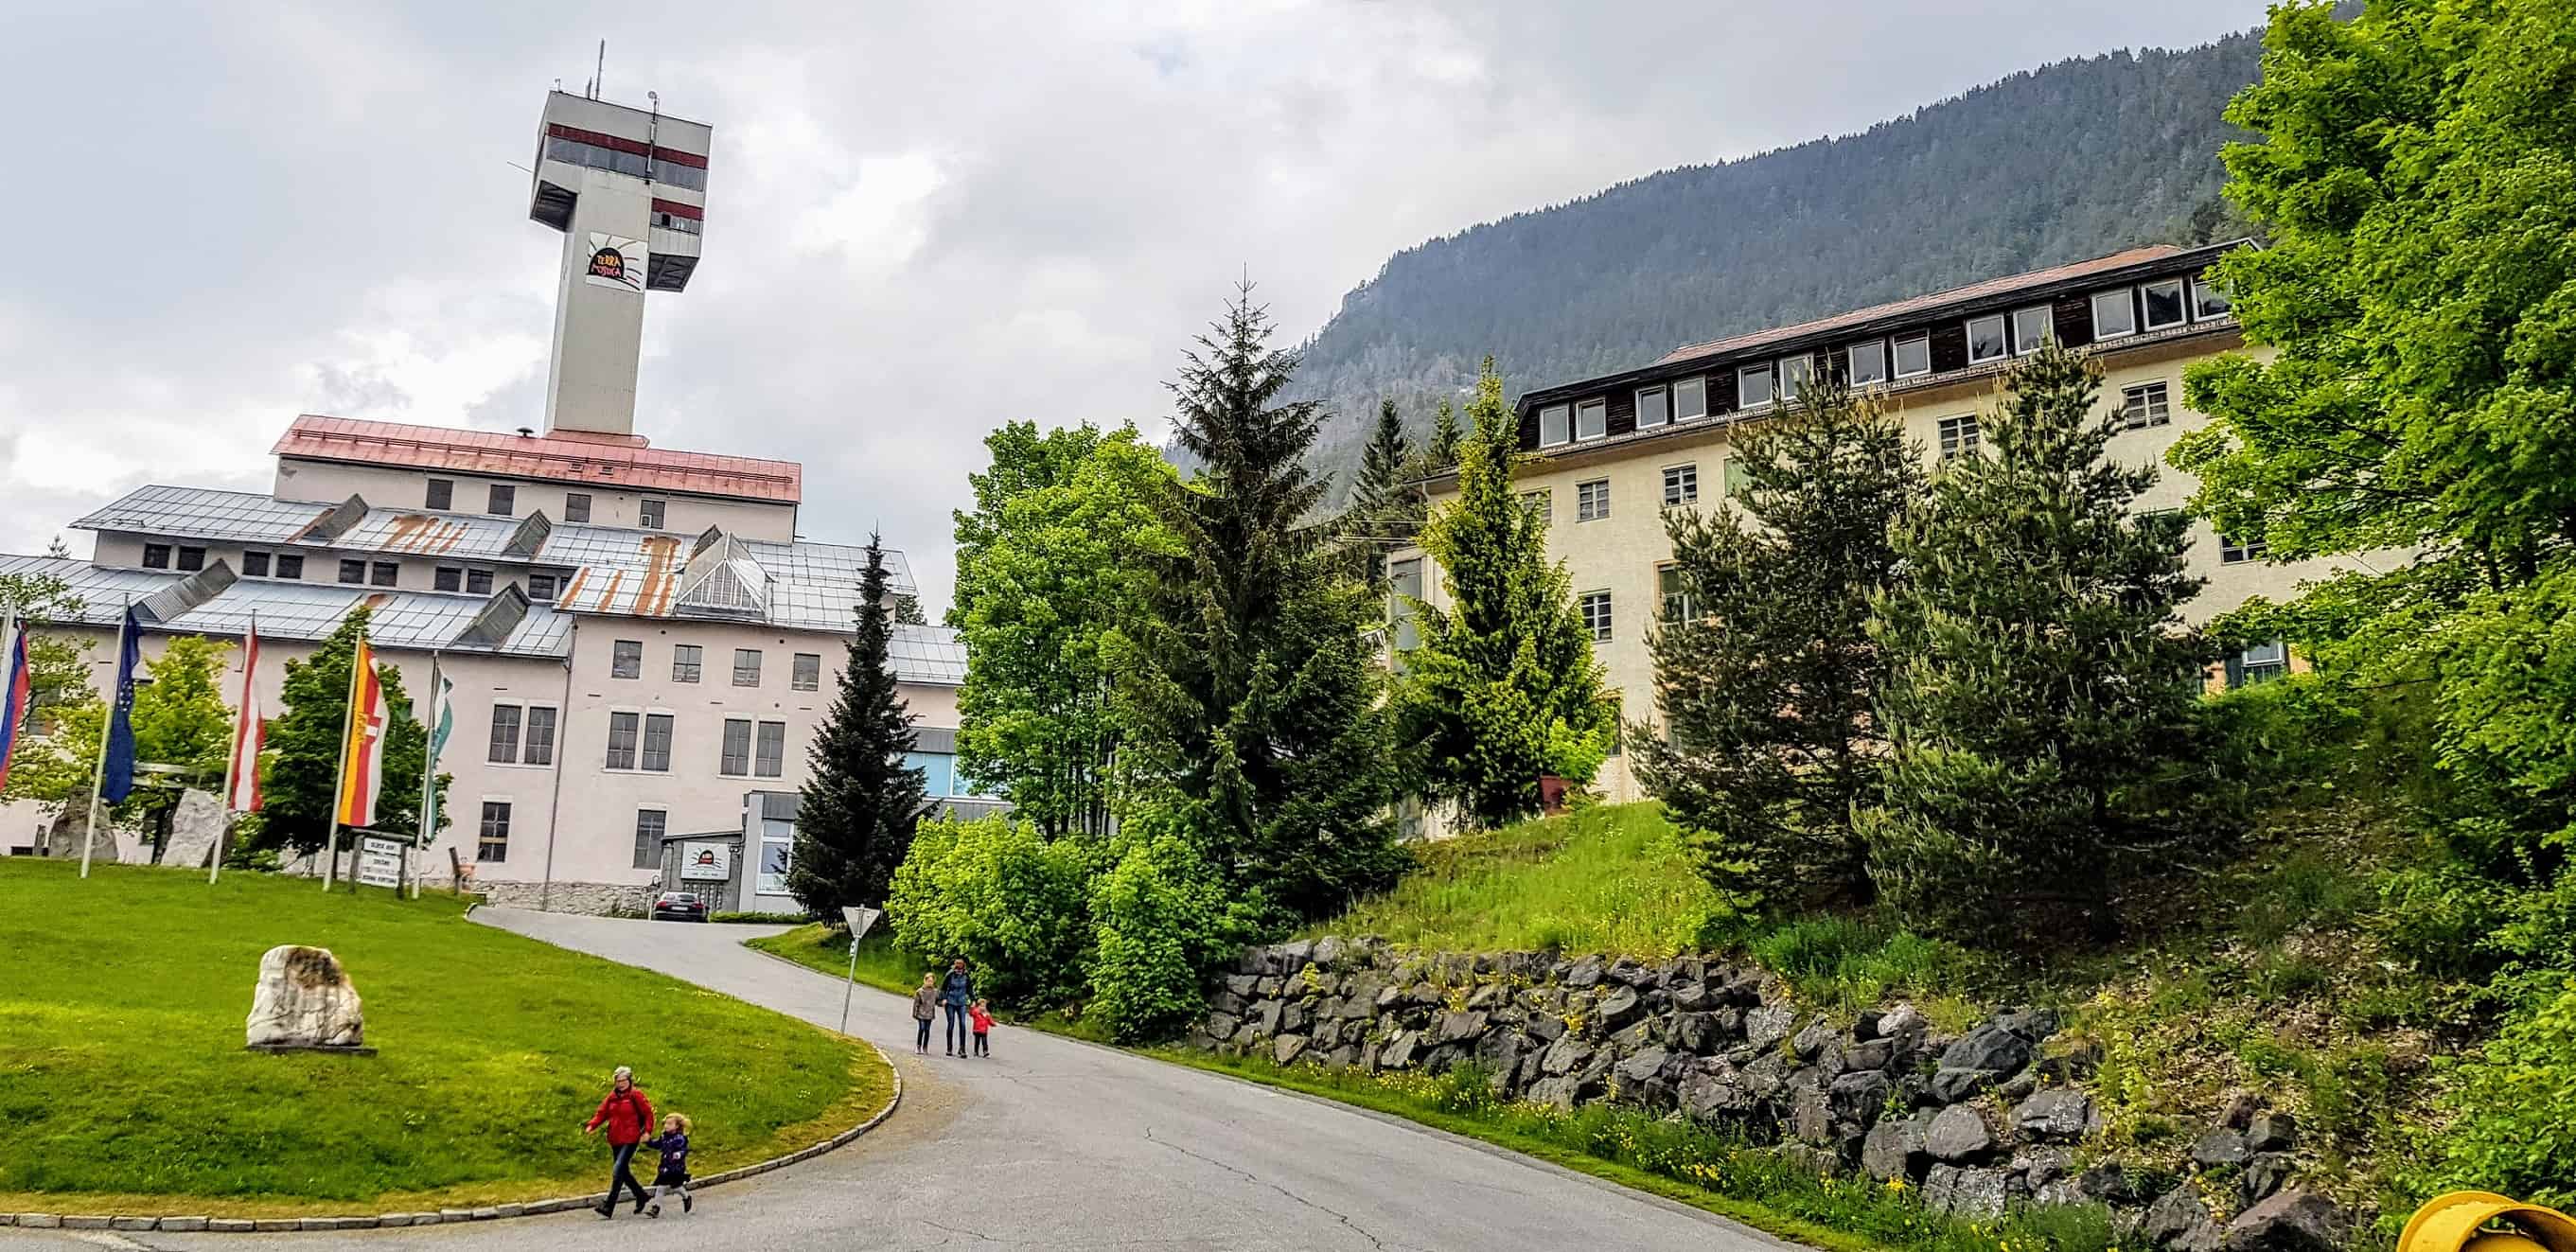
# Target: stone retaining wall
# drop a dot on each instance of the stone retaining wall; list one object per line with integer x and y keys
{"x": 594, "y": 898}
{"x": 1980, "y": 1121}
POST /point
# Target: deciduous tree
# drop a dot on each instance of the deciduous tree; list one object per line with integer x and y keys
{"x": 305, "y": 740}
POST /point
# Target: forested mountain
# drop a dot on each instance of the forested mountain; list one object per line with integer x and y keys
{"x": 2072, "y": 160}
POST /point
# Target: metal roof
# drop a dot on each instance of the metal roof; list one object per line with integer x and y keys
{"x": 619, "y": 460}
{"x": 204, "y": 513}
{"x": 418, "y": 620}
{"x": 927, "y": 654}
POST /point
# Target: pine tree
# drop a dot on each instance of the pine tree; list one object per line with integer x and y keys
{"x": 302, "y": 763}
{"x": 855, "y": 818}
{"x": 2042, "y": 693}
{"x": 1504, "y": 687}
{"x": 1385, "y": 510}
{"x": 1251, "y": 697}
{"x": 1764, "y": 660}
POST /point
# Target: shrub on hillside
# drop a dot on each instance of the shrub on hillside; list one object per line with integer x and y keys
{"x": 1003, "y": 896}
{"x": 1161, "y": 920}
{"x": 2514, "y": 1112}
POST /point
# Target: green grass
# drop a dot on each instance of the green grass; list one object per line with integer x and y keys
{"x": 1679, "y": 1162}
{"x": 886, "y": 967}
{"x": 1612, "y": 879}
{"x": 125, "y": 1087}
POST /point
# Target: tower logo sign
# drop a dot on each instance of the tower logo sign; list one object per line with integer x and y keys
{"x": 616, "y": 261}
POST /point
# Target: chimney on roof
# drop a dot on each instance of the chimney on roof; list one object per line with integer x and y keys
{"x": 527, "y": 432}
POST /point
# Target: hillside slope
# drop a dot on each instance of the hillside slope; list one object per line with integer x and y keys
{"x": 2073, "y": 160}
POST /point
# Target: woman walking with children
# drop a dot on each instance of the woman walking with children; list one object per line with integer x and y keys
{"x": 628, "y": 1114}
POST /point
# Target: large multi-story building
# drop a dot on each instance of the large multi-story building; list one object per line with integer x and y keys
{"x": 641, "y": 644}
{"x": 1608, "y": 455}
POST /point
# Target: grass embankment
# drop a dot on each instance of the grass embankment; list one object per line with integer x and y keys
{"x": 125, "y": 1086}
{"x": 888, "y": 967}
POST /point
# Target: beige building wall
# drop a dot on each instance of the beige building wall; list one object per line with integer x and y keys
{"x": 1623, "y": 553}
{"x": 406, "y": 487}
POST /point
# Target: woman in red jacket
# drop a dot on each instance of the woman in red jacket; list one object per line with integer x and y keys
{"x": 628, "y": 1114}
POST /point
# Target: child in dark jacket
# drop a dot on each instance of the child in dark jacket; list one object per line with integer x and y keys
{"x": 673, "y": 1144}
{"x": 983, "y": 1019}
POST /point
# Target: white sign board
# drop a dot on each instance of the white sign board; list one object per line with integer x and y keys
{"x": 379, "y": 863}
{"x": 859, "y": 918}
{"x": 706, "y": 862}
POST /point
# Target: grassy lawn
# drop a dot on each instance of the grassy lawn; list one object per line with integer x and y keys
{"x": 125, "y": 1086}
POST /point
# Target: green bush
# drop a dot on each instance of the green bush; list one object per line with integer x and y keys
{"x": 1014, "y": 904}
{"x": 1161, "y": 919}
{"x": 760, "y": 919}
{"x": 2514, "y": 1112}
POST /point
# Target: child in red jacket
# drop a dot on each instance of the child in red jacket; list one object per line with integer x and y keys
{"x": 983, "y": 1019}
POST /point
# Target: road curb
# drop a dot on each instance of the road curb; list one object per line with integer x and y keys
{"x": 440, "y": 1217}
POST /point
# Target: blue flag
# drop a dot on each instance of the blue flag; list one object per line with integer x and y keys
{"x": 118, "y": 780}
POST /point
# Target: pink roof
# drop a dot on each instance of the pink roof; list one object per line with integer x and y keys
{"x": 620, "y": 460}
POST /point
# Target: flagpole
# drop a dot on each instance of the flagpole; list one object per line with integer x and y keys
{"x": 98, "y": 778}
{"x": 340, "y": 777}
{"x": 232, "y": 755}
{"x": 428, "y": 773}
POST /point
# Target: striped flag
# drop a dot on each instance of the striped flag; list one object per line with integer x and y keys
{"x": 13, "y": 695}
{"x": 362, "y": 758}
{"x": 250, "y": 734}
{"x": 442, "y": 719}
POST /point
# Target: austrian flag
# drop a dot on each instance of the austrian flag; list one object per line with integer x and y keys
{"x": 363, "y": 756}
{"x": 250, "y": 734}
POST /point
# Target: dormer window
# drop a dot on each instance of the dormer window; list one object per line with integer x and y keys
{"x": 2115, "y": 313}
{"x": 1555, "y": 425}
{"x": 1753, "y": 386}
{"x": 1690, "y": 399}
{"x": 2208, "y": 301}
{"x": 1868, "y": 362}
{"x": 1795, "y": 373}
{"x": 2032, "y": 327}
{"x": 2164, "y": 303}
{"x": 1592, "y": 419}
{"x": 1913, "y": 355}
{"x": 1653, "y": 407}
{"x": 1986, "y": 339}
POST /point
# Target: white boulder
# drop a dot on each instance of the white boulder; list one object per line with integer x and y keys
{"x": 304, "y": 1000}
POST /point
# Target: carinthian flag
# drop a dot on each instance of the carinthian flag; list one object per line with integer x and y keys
{"x": 250, "y": 735}
{"x": 13, "y": 697}
{"x": 363, "y": 756}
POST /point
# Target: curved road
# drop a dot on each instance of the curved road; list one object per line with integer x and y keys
{"x": 1055, "y": 1144}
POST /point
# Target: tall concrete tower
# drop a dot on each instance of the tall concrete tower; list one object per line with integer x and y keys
{"x": 628, "y": 189}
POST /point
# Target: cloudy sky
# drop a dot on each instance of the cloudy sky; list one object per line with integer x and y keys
{"x": 923, "y": 219}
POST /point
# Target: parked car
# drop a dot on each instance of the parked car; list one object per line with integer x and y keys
{"x": 681, "y": 906}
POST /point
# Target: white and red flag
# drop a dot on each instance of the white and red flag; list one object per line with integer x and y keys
{"x": 250, "y": 734}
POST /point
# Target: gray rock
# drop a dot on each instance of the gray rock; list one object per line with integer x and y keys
{"x": 2033, "y": 1025}
{"x": 1585, "y": 973}
{"x": 1399, "y": 1053}
{"x": 1327, "y": 1035}
{"x": 1692, "y": 997}
{"x": 1711, "y": 1097}
{"x": 1295, "y": 1017}
{"x": 2179, "y": 1222}
{"x": 1958, "y": 1134}
{"x": 2040, "y": 1167}
{"x": 2020, "y": 1086}
{"x": 1858, "y": 1097}
{"x": 1330, "y": 952}
{"x": 1812, "y": 1039}
{"x": 2107, "y": 1183}
{"x": 1893, "y": 1149}
{"x": 304, "y": 1000}
{"x": 1618, "y": 1008}
{"x": 2239, "y": 1111}
{"x": 1950, "y": 1086}
{"x": 1221, "y": 1026}
{"x": 1626, "y": 970}
{"x": 1811, "y": 1112}
{"x": 1821, "y": 1162}
{"x": 1564, "y": 1056}
{"x": 1268, "y": 986}
{"x": 1875, "y": 1054}
{"x": 1766, "y": 1075}
{"x": 1644, "y": 1065}
{"x": 1553, "y": 1092}
{"x": 1459, "y": 1027}
{"x": 1389, "y": 996}
{"x": 1294, "y": 954}
{"x": 2272, "y": 1132}
{"x": 1243, "y": 985}
{"x": 1487, "y": 997}
{"x": 1990, "y": 1048}
{"x": 1637, "y": 1035}
{"x": 1288, "y": 1048}
{"x": 1976, "y": 1194}
{"x": 1264, "y": 1021}
{"x": 1765, "y": 1027}
{"x": 2220, "y": 1147}
{"x": 1694, "y": 1032}
{"x": 2292, "y": 1221}
{"x": 1545, "y": 1027}
{"x": 1902, "y": 1020}
{"x": 2057, "y": 1113}
{"x": 195, "y": 827}
{"x": 1359, "y": 995}
{"x": 1342, "y": 1057}
{"x": 2268, "y": 1172}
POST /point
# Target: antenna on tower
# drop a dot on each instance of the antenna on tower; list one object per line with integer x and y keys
{"x": 599, "y": 74}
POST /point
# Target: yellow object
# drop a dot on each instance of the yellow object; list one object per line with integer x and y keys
{"x": 2458, "y": 1223}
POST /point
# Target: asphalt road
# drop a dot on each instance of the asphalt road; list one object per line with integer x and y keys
{"x": 1055, "y": 1144}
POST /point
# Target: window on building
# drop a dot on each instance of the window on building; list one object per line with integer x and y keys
{"x": 478, "y": 582}
{"x": 2163, "y": 303}
{"x": 541, "y": 588}
{"x": 685, "y": 662}
{"x": 254, "y": 565}
{"x": 1404, "y": 581}
{"x": 493, "y": 843}
{"x": 441, "y": 494}
{"x": 1753, "y": 386}
{"x": 2240, "y": 551}
{"x": 746, "y": 667}
{"x": 771, "y": 760}
{"x": 290, "y": 565}
{"x": 2031, "y": 328}
{"x": 1678, "y": 603}
{"x": 2208, "y": 300}
{"x": 1913, "y": 355}
{"x": 1592, "y": 419}
{"x": 504, "y": 748}
{"x": 1795, "y": 373}
{"x": 777, "y": 850}
{"x": 1986, "y": 339}
{"x": 623, "y": 730}
{"x": 447, "y": 578}
{"x": 650, "y": 826}
{"x": 1958, "y": 436}
{"x": 2115, "y": 313}
{"x": 805, "y": 671}
{"x": 1555, "y": 425}
{"x": 353, "y": 572}
{"x": 1654, "y": 407}
{"x": 1868, "y": 362}
{"x": 626, "y": 659}
{"x": 1681, "y": 485}
{"x": 2260, "y": 663}
{"x": 384, "y": 574}
{"x": 192, "y": 558}
{"x": 541, "y": 736}
{"x": 504, "y": 498}
{"x": 1541, "y": 504}
{"x": 648, "y": 514}
{"x": 1592, "y": 500}
{"x": 1690, "y": 399}
{"x": 657, "y": 743}
{"x": 1596, "y": 614}
{"x": 576, "y": 506}
{"x": 2146, "y": 405}
{"x": 156, "y": 556}
{"x": 737, "y": 748}
{"x": 1734, "y": 478}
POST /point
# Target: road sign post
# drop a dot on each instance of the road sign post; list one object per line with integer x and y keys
{"x": 858, "y": 918}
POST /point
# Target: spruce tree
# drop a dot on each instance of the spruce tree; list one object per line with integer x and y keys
{"x": 1251, "y": 696}
{"x": 1504, "y": 687}
{"x": 1764, "y": 661}
{"x": 2042, "y": 692}
{"x": 1385, "y": 510}
{"x": 854, "y": 820}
